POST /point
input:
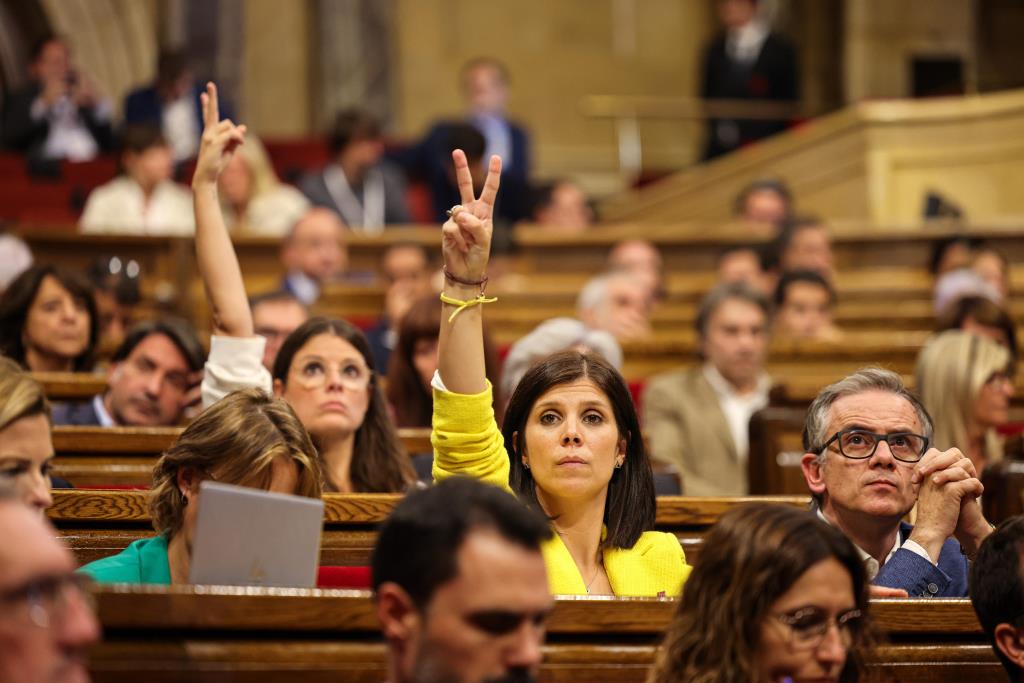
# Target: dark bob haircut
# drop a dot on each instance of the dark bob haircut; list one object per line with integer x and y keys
{"x": 379, "y": 463}
{"x": 997, "y": 584}
{"x": 17, "y": 300}
{"x": 419, "y": 543}
{"x": 630, "y": 507}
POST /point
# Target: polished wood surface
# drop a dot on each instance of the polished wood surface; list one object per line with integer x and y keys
{"x": 162, "y": 633}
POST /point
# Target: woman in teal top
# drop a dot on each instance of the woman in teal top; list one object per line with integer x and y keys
{"x": 246, "y": 439}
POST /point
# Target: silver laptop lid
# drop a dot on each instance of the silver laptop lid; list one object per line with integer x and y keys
{"x": 250, "y": 537}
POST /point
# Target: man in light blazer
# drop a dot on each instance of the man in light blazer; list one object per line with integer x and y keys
{"x": 696, "y": 418}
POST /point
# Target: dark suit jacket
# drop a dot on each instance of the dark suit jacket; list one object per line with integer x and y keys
{"x": 774, "y": 75}
{"x": 920, "y": 578}
{"x": 144, "y": 106}
{"x": 79, "y": 414}
{"x": 429, "y": 160}
{"x": 22, "y": 133}
{"x": 396, "y": 211}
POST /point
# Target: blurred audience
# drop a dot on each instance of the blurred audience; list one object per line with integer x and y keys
{"x": 966, "y": 383}
{"x": 15, "y": 259}
{"x": 405, "y": 269}
{"x": 151, "y": 380}
{"x": 247, "y": 439}
{"x": 617, "y": 303}
{"x": 171, "y": 103}
{"x": 253, "y": 200}
{"x": 313, "y": 254}
{"x": 804, "y": 244}
{"x": 561, "y": 206}
{"x": 48, "y": 321}
{"x": 745, "y": 263}
{"x": 142, "y": 200}
{"x": 115, "y": 287}
{"x": 993, "y": 267}
{"x": 804, "y": 304}
{"x": 47, "y": 624}
{"x": 484, "y": 83}
{"x": 749, "y": 62}
{"x": 642, "y": 261}
{"x": 997, "y": 593}
{"x": 552, "y": 336}
{"x": 763, "y": 206}
{"x": 952, "y": 253}
{"x": 414, "y": 362}
{"x": 957, "y": 284}
{"x": 60, "y": 114}
{"x": 365, "y": 190}
{"x": 275, "y": 315}
{"x": 981, "y": 316}
{"x": 696, "y": 419}
{"x": 26, "y": 456}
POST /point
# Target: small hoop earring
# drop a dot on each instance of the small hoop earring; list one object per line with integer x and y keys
{"x": 618, "y": 465}
{"x": 526, "y": 465}
{"x": 184, "y": 500}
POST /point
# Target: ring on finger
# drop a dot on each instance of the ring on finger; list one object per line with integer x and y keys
{"x": 452, "y": 212}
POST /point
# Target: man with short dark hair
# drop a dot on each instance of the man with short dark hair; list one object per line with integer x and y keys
{"x": 46, "y": 623}
{"x": 997, "y": 593}
{"x": 275, "y": 315}
{"x": 763, "y": 205}
{"x": 405, "y": 270}
{"x": 804, "y": 301}
{"x": 151, "y": 380}
{"x": 364, "y": 189}
{"x": 461, "y": 586}
{"x": 804, "y": 244}
{"x": 696, "y": 419}
{"x": 867, "y": 463}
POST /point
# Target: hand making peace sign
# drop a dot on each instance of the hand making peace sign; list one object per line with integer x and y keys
{"x": 466, "y": 236}
{"x": 219, "y": 142}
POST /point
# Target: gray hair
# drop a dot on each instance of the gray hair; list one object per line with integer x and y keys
{"x": 816, "y": 425}
{"x": 551, "y": 336}
{"x": 724, "y": 292}
{"x": 595, "y": 292}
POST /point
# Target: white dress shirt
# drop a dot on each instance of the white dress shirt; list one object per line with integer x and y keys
{"x": 67, "y": 136}
{"x": 101, "y": 412}
{"x": 738, "y": 408}
{"x": 744, "y": 44}
{"x": 120, "y": 208}
{"x": 181, "y": 127}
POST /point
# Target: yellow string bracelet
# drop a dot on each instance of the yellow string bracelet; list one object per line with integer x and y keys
{"x": 463, "y": 305}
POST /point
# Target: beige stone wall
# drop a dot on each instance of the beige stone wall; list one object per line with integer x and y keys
{"x": 276, "y": 67}
{"x": 558, "y": 51}
{"x": 881, "y": 36}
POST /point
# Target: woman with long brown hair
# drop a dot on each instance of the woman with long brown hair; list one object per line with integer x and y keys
{"x": 778, "y": 595}
{"x": 324, "y": 369}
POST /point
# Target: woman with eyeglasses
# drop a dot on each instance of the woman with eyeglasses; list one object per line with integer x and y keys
{"x": 324, "y": 369}
{"x": 966, "y": 382}
{"x": 778, "y": 595}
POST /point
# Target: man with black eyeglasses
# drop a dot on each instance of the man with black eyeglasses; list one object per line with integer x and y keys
{"x": 46, "y": 621}
{"x": 461, "y": 588}
{"x": 867, "y": 463}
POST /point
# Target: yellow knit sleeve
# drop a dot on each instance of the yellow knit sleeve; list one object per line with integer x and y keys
{"x": 466, "y": 438}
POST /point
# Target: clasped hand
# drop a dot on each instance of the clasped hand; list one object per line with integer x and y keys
{"x": 947, "y": 500}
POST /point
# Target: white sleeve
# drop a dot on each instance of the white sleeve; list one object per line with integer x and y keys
{"x": 234, "y": 363}
{"x": 915, "y": 547}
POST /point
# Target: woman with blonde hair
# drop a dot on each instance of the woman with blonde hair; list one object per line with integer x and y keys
{"x": 778, "y": 595}
{"x": 246, "y": 439}
{"x": 965, "y": 381}
{"x": 26, "y": 449}
{"x": 253, "y": 200}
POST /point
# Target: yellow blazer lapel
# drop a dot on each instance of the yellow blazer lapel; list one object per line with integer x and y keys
{"x": 563, "y": 575}
{"x": 651, "y": 568}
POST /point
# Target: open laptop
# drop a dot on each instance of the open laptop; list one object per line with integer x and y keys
{"x": 249, "y": 537}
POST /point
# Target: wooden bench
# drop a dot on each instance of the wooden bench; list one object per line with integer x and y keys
{"x": 124, "y": 456}
{"x": 96, "y": 524}
{"x": 164, "y": 634}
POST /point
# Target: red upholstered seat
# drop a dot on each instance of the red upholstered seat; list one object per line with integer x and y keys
{"x": 343, "y": 577}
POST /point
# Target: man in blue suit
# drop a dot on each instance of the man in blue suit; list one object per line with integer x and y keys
{"x": 867, "y": 463}
{"x": 171, "y": 103}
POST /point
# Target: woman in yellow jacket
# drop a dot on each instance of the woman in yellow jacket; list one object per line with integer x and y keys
{"x": 571, "y": 444}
